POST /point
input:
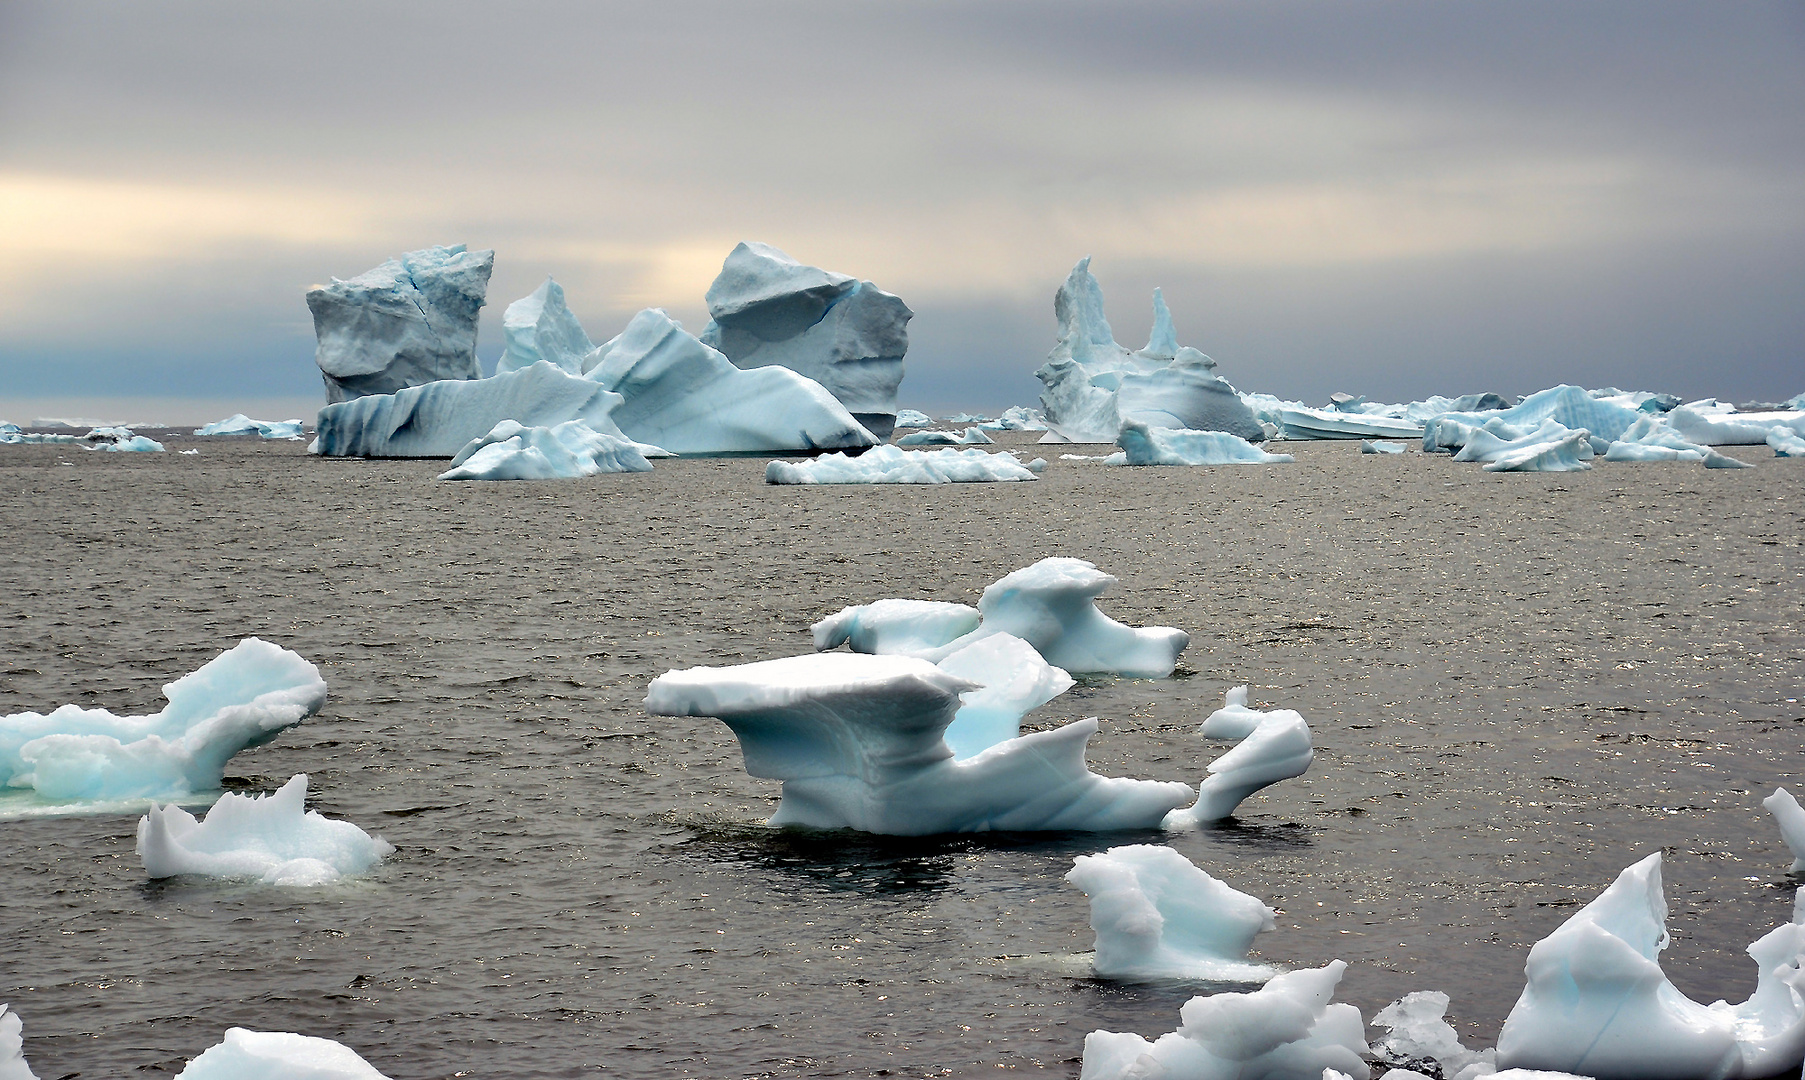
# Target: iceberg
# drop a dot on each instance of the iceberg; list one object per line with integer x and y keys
{"x": 408, "y": 322}
{"x": 1157, "y": 916}
{"x": 1289, "y": 1028}
{"x": 277, "y": 1055}
{"x": 1712, "y": 425}
{"x": 1380, "y": 446}
{"x": 889, "y": 464}
{"x": 1418, "y": 1031}
{"x": 1569, "y": 406}
{"x": 512, "y": 451}
{"x": 540, "y": 327}
{"x": 12, "y": 1048}
{"x": 857, "y": 741}
{"x": 272, "y": 838}
{"x": 1652, "y": 438}
{"x": 1597, "y": 1003}
{"x": 850, "y": 336}
{"x": 973, "y": 437}
{"x": 1017, "y": 418}
{"x": 1271, "y": 746}
{"x": 909, "y": 418}
{"x": 1549, "y": 447}
{"x": 1790, "y": 817}
{"x": 1143, "y": 445}
{"x": 686, "y": 397}
{"x": 243, "y": 697}
{"x": 1013, "y": 680}
{"x": 240, "y": 424}
{"x": 101, "y": 438}
{"x": 1092, "y": 385}
{"x": 1303, "y": 422}
{"x": 1786, "y": 442}
{"x": 900, "y": 627}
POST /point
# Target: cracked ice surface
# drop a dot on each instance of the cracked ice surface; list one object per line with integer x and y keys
{"x": 272, "y": 838}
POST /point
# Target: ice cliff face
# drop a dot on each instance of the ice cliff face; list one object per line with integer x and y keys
{"x": 410, "y": 321}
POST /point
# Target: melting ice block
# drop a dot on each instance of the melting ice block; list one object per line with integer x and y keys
{"x": 888, "y": 464}
{"x": 273, "y": 838}
{"x": 540, "y": 327}
{"x": 1791, "y": 819}
{"x": 1597, "y": 1002}
{"x": 1143, "y": 445}
{"x": 1417, "y": 1030}
{"x": 278, "y": 1055}
{"x": 511, "y": 451}
{"x": 1013, "y": 680}
{"x": 1273, "y": 746}
{"x": 1289, "y": 1028}
{"x": 409, "y": 322}
{"x": 12, "y": 1048}
{"x": 902, "y": 627}
{"x": 1157, "y": 916}
{"x": 240, "y": 424}
{"x": 242, "y": 698}
{"x": 857, "y": 741}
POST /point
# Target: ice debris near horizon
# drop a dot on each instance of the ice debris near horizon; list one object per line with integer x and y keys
{"x": 278, "y": 1055}
{"x": 1790, "y": 818}
{"x": 101, "y": 438}
{"x": 896, "y": 627}
{"x": 1289, "y": 1029}
{"x": 512, "y": 451}
{"x": 240, "y": 424}
{"x": 538, "y": 327}
{"x": 242, "y": 698}
{"x": 1158, "y": 916}
{"x": 1548, "y": 447}
{"x": 857, "y": 741}
{"x": 1092, "y": 385}
{"x": 1017, "y": 418}
{"x": 1143, "y": 445}
{"x": 850, "y": 336}
{"x": 1597, "y": 1002}
{"x": 272, "y": 838}
{"x": 1380, "y": 446}
{"x": 910, "y": 418}
{"x": 1012, "y": 680}
{"x": 1416, "y": 1029}
{"x": 891, "y": 464}
{"x": 1786, "y": 442}
{"x": 12, "y": 1047}
{"x": 973, "y": 436}
{"x": 1270, "y": 746}
{"x": 408, "y": 322}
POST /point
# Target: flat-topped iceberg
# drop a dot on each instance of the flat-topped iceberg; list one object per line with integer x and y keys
{"x": 857, "y": 742}
{"x": 1270, "y": 747}
{"x": 272, "y": 838}
{"x": 848, "y": 335}
{"x": 1158, "y": 916}
{"x": 539, "y": 327}
{"x": 278, "y": 1055}
{"x": 12, "y": 1048}
{"x": 243, "y": 697}
{"x": 1143, "y": 445}
{"x": 409, "y": 322}
{"x": 1289, "y": 1029}
{"x": 240, "y": 424}
{"x": 1597, "y": 1002}
{"x": 1092, "y": 385}
{"x": 890, "y": 464}
{"x": 1303, "y": 422}
{"x": 1790, "y": 817}
{"x": 512, "y": 451}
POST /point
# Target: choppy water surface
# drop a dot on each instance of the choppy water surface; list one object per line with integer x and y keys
{"x": 1519, "y": 685}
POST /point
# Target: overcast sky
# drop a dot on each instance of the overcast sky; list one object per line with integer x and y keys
{"x": 1389, "y": 198}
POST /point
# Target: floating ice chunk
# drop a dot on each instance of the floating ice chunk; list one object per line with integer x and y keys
{"x": 1303, "y": 422}
{"x": 1288, "y": 1028}
{"x": 1273, "y": 746}
{"x": 1725, "y": 426}
{"x": 1652, "y": 438}
{"x": 12, "y": 1048}
{"x": 1786, "y": 442}
{"x": 1013, "y": 680}
{"x": 1791, "y": 819}
{"x": 272, "y": 838}
{"x": 972, "y": 437}
{"x": 1715, "y": 460}
{"x": 441, "y": 418}
{"x": 1018, "y": 418}
{"x": 1379, "y": 446}
{"x": 1158, "y": 916}
{"x": 1597, "y": 1003}
{"x": 1052, "y": 606}
{"x": 119, "y": 439}
{"x": 240, "y": 424}
{"x": 890, "y": 464}
{"x": 243, "y": 697}
{"x": 1143, "y": 445}
{"x": 511, "y": 451}
{"x": 1417, "y": 1031}
{"x": 909, "y": 418}
{"x": 857, "y": 741}
{"x": 409, "y": 322}
{"x": 1234, "y": 721}
{"x": 1549, "y": 447}
{"x": 1569, "y": 406}
{"x": 277, "y": 1055}
{"x": 538, "y": 327}
{"x": 901, "y": 627}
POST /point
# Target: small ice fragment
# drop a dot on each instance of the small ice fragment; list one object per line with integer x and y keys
{"x": 277, "y": 1055}
{"x": 1156, "y": 915}
{"x": 1380, "y": 446}
{"x": 512, "y": 451}
{"x": 1791, "y": 819}
{"x": 890, "y": 464}
{"x": 272, "y": 838}
{"x": 1144, "y": 445}
{"x": 1277, "y": 748}
{"x": 902, "y": 627}
{"x": 12, "y": 1047}
{"x": 1417, "y": 1031}
{"x": 240, "y": 424}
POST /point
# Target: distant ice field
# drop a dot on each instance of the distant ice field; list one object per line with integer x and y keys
{"x": 1517, "y": 684}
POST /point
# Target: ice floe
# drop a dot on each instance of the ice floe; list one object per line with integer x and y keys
{"x": 1017, "y": 418}
{"x": 243, "y": 697}
{"x": 240, "y": 424}
{"x": 1289, "y": 1028}
{"x": 890, "y": 464}
{"x": 272, "y": 838}
{"x": 1790, "y": 817}
{"x": 1270, "y": 747}
{"x": 277, "y": 1055}
{"x": 512, "y": 451}
{"x": 1416, "y": 1030}
{"x": 1158, "y": 916}
{"x": 1597, "y": 1002}
{"x": 1143, "y": 445}
{"x": 973, "y": 436}
{"x": 408, "y": 322}
{"x": 540, "y": 326}
{"x": 1569, "y": 406}
{"x": 12, "y": 1047}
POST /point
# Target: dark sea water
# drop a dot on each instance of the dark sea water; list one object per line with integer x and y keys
{"x": 1519, "y": 685}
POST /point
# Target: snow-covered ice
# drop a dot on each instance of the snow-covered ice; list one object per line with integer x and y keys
{"x": 857, "y": 741}
{"x": 900, "y": 627}
{"x": 408, "y": 322}
{"x": 1597, "y": 1002}
{"x": 1380, "y": 446}
{"x": 243, "y": 697}
{"x": 12, "y": 1047}
{"x": 538, "y": 327}
{"x": 1416, "y": 1029}
{"x": 277, "y": 1055}
{"x": 1012, "y": 679}
{"x": 1790, "y": 817}
{"x": 891, "y": 464}
{"x": 272, "y": 838}
{"x": 973, "y": 436}
{"x": 848, "y": 335}
{"x": 1143, "y": 445}
{"x": 1289, "y": 1029}
{"x": 512, "y": 451}
{"x": 240, "y": 424}
{"x": 1271, "y": 746}
{"x": 1157, "y": 915}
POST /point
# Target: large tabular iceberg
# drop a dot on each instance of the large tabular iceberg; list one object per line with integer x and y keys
{"x": 273, "y": 838}
{"x": 857, "y": 741}
{"x": 240, "y": 424}
{"x": 1143, "y": 445}
{"x": 1091, "y": 384}
{"x": 541, "y": 327}
{"x": 889, "y": 464}
{"x": 408, "y": 322}
{"x": 278, "y": 1055}
{"x": 1158, "y": 916}
{"x": 511, "y": 451}
{"x": 1289, "y": 1029}
{"x": 242, "y": 698}
{"x": 1270, "y": 747}
{"x": 12, "y": 1048}
{"x": 848, "y": 335}
{"x": 1597, "y": 1002}
{"x": 1790, "y": 817}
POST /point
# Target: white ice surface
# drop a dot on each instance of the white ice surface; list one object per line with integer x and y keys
{"x": 101, "y": 438}
{"x": 1143, "y": 445}
{"x": 1727, "y": 427}
{"x": 1289, "y": 1029}
{"x": 1156, "y": 915}
{"x": 900, "y": 627}
{"x": 1786, "y": 442}
{"x": 973, "y": 436}
{"x": 1272, "y": 746}
{"x": 538, "y": 327}
{"x": 891, "y": 464}
{"x": 409, "y": 322}
{"x": 1569, "y": 406}
{"x": 1547, "y": 447}
{"x": 12, "y": 1048}
{"x": 511, "y": 451}
{"x": 242, "y": 698}
{"x": 1416, "y": 1028}
{"x": 1014, "y": 680}
{"x": 1379, "y": 446}
{"x": 240, "y": 424}
{"x": 277, "y": 1055}
{"x": 910, "y": 418}
{"x": 1304, "y": 422}
{"x": 1790, "y": 817}
{"x": 272, "y": 838}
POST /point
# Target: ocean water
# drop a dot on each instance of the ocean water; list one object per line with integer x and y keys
{"x": 1519, "y": 684}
